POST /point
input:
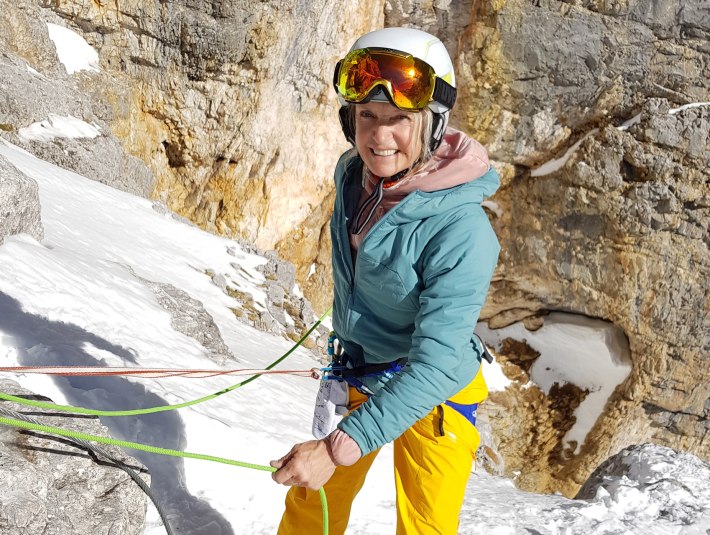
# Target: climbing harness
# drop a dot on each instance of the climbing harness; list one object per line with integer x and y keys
{"x": 467, "y": 411}
{"x": 332, "y": 400}
{"x": 341, "y": 369}
{"x": 331, "y": 405}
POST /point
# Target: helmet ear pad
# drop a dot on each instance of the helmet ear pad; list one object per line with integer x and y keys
{"x": 346, "y": 124}
{"x": 438, "y": 127}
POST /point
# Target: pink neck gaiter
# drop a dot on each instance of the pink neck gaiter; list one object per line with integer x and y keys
{"x": 458, "y": 160}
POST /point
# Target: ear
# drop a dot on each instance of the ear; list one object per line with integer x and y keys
{"x": 346, "y": 124}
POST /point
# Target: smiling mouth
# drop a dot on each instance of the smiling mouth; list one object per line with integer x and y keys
{"x": 390, "y": 152}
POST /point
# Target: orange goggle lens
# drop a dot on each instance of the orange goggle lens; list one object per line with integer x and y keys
{"x": 409, "y": 81}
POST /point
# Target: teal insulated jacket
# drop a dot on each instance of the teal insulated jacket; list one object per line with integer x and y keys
{"x": 415, "y": 291}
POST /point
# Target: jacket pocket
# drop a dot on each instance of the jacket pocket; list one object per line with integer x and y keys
{"x": 382, "y": 287}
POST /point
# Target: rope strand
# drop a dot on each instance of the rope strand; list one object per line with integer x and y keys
{"x": 35, "y": 426}
{"x": 4, "y": 420}
{"x": 161, "y": 408}
{"x": 145, "y": 373}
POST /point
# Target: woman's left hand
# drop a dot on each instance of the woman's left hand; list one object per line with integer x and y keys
{"x": 309, "y": 464}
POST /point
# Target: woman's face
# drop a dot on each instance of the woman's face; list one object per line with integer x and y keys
{"x": 387, "y": 138}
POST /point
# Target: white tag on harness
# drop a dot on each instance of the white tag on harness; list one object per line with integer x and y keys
{"x": 331, "y": 406}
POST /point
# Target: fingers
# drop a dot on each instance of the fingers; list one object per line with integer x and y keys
{"x": 307, "y": 465}
{"x": 280, "y": 476}
{"x": 293, "y": 475}
{"x": 290, "y": 471}
{"x": 284, "y": 476}
{"x": 278, "y": 463}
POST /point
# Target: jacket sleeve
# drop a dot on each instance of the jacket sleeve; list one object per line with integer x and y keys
{"x": 457, "y": 266}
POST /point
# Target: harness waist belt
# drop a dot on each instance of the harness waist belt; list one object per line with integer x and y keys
{"x": 369, "y": 370}
{"x": 467, "y": 411}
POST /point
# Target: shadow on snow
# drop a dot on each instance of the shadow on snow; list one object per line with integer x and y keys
{"x": 41, "y": 341}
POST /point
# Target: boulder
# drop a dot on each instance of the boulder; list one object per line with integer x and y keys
{"x": 19, "y": 203}
{"x": 53, "y": 486}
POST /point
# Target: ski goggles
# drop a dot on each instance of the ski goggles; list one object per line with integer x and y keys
{"x": 410, "y": 82}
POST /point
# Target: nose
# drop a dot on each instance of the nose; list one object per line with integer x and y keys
{"x": 382, "y": 132}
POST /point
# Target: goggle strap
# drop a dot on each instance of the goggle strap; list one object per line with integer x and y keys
{"x": 444, "y": 93}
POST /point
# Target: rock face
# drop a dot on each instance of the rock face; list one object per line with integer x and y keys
{"x": 229, "y": 104}
{"x": 624, "y": 237}
{"x": 620, "y": 232}
{"x": 19, "y": 203}
{"x": 56, "y": 116}
{"x": 550, "y": 70}
{"x": 55, "y": 487}
{"x": 592, "y": 111}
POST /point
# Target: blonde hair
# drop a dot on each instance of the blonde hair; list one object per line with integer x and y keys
{"x": 424, "y": 121}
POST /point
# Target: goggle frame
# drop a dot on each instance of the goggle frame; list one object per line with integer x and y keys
{"x": 437, "y": 89}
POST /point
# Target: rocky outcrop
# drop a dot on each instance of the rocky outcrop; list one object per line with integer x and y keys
{"x": 57, "y": 116}
{"x": 662, "y": 471}
{"x": 19, "y": 203}
{"x": 282, "y": 309}
{"x": 675, "y": 486}
{"x": 56, "y": 487}
{"x": 189, "y": 317}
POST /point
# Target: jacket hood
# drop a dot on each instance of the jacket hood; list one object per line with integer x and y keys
{"x": 424, "y": 204}
{"x": 458, "y": 173}
{"x": 459, "y": 159}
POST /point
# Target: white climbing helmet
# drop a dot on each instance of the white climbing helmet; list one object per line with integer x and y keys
{"x": 407, "y": 67}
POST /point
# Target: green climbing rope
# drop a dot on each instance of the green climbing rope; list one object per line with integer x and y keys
{"x": 162, "y": 408}
{"x": 151, "y": 449}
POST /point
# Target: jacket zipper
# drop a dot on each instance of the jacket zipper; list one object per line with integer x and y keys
{"x": 346, "y": 253}
{"x": 346, "y": 258}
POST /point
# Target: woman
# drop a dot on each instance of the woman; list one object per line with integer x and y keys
{"x": 413, "y": 255}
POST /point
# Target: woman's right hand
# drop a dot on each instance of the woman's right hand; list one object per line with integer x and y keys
{"x": 308, "y": 464}
{"x": 311, "y": 464}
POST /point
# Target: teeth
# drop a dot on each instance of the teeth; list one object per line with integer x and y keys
{"x": 384, "y": 152}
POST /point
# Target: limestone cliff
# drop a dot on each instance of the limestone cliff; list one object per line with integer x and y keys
{"x": 618, "y": 227}
{"x": 230, "y": 105}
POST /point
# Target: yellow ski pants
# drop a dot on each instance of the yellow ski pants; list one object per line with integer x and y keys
{"x": 432, "y": 463}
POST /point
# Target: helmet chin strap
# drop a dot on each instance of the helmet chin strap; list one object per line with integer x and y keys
{"x": 389, "y": 181}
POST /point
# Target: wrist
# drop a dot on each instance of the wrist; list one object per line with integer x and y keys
{"x": 343, "y": 450}
{"x": 329, "y": 449}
